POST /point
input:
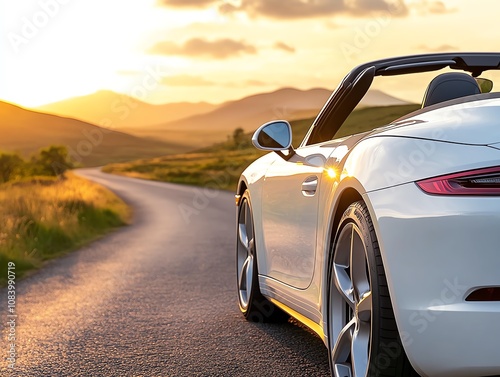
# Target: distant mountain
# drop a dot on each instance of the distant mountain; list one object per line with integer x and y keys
{"x": 110, "y": 109}
{"x": 201, "y": 124}
{"x": 247, "y": 113}
{"x": 250, "y": 112}
{"x": 376, "y": 97}
{"x": 287, "y": 103}
{"x": 26, "y": 131}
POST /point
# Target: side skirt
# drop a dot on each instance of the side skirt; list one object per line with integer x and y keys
{"x": 287, "y": 298}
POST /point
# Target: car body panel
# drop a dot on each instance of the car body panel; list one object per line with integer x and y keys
{"x": 453, "y": 123}
{"x": 380, "y": 162}
{"x": 363, "y": 165}
{"x": 290, "y": 230}
{"x": 435, "y": 249}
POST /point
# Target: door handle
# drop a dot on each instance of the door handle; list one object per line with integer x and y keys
{"x": 310, "y": 185}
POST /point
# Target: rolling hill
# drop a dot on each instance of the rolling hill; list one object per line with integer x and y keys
{"x": 201, "y": 124}
{"x": 250, "y": 112}
{"x": 377, "y": 98}
{"x": 286, "y": 103}
{"x": 119, "y": 111}
{"x": 26, "y": 131}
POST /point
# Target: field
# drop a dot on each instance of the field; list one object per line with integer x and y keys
{"x": 219, "y": 169}
{"x": 47, "y": 216}
{"x": 219, "y": 166}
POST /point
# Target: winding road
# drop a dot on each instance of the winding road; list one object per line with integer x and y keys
{"x": 156, "y": 298}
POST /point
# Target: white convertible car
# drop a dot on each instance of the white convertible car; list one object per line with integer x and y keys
{"x": 386, "y": 243}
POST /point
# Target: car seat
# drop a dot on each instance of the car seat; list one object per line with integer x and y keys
{"x": 448, "y": 86}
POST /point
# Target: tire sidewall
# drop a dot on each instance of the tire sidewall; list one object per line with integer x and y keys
{"x": 245, "y": 311}
{"x": 354, "y": 215}
{"x": 259, "y": 308}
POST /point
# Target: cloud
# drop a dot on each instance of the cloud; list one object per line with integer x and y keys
{"x": 228, "y": 8}
{"x": 441, "y": 48}
{"x": 185, "y": 80}
{"x": 243, "y": 84}
{"x": 255, "y": 83}
{"x": 331, "y": 25}
{"x": 197, "y": 47}
{"x": 295, "y": 9}
{"x": 186, "y": 3}
{"x": 369, "y": 6}
{"x": 298, "y": 9}
{"x": 425, "y": 7}
{"x": 437, "y": 7}
{"x": 283, "y": 46}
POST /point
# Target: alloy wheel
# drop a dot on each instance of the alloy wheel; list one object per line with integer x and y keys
{"x": 245, "y": 254}
{"x": 350, "y": 305}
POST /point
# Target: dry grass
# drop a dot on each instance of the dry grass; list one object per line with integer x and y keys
{"x": 218, "y": 169}
{"x": 42, "y": 218}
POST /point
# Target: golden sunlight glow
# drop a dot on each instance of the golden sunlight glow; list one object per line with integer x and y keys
{"x": 306, "y": 321}
{"x": 55, "y": 49}
{"x": 331, "y": 173}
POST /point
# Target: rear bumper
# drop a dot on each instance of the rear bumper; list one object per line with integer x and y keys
{"x": 436, "y": 250}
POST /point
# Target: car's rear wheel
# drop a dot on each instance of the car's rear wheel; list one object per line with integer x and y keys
{"x": 254, "y": 306}
{"x": 363, "y": 336}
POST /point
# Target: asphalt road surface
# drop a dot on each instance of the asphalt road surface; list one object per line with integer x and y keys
{"x": 156, "y": 298}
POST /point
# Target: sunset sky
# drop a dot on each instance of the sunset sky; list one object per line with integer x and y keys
{"x": 216, "y": 50}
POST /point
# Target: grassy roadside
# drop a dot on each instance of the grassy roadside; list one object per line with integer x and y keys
{"x": 45, "y": 217}
{"x": 215, "y": 169}
{"x": 220, "y": 166}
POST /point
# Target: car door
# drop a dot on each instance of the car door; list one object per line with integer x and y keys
{"x": 290, "y": 215}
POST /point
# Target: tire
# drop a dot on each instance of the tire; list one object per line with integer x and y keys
{"x": 363, "y": 339}
{"x": 254, "y": 306}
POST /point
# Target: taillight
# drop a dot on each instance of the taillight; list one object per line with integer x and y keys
{"x": 473, "y": 182}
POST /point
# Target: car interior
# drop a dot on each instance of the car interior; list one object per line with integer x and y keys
{"x": 448, "y": 86}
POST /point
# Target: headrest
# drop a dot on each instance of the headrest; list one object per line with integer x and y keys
{"x": 448, "y": 86}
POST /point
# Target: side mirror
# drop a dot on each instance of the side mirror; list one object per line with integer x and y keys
{"x": 273, "y": 136}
